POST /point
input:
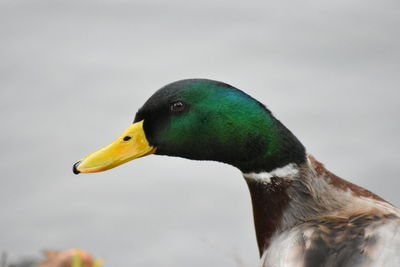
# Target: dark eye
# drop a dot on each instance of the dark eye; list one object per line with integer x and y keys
{"x": 177, "y": 106}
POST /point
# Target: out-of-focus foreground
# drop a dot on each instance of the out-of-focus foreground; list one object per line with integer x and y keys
{"x": 69, "y": 258}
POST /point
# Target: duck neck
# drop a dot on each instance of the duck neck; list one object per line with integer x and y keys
{"x": 270, "y": 199}
{"x": 290, "y": 195}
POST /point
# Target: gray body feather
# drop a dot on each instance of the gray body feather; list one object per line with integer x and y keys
{"x": 325, "y": 222}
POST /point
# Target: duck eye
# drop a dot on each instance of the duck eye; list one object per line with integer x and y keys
{"x": 177, "y": 106}
{"x": 126, "y": 138}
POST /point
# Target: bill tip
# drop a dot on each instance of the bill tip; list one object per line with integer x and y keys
{"x": 75, "y": 168}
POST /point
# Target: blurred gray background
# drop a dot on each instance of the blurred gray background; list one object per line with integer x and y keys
{"x": 73, "y": 73}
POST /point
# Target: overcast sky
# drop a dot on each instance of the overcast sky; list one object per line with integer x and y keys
{"x": 73, "y": 73}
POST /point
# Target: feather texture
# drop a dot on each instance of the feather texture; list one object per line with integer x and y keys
{"x": 317, "y": 219}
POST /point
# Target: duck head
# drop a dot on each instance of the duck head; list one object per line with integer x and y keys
{"x": 202, "y": 120}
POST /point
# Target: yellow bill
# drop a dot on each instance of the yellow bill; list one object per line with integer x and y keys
{"x": 131, "y": 144}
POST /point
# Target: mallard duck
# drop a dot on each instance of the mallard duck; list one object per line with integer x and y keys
{"x": 304, "y": 215}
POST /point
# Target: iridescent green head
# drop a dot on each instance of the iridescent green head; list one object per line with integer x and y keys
{"x": 209, "y": 120}
{"x": 202, "y": 120}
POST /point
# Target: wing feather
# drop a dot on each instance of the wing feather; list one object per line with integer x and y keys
{"x": 364, "y": 240}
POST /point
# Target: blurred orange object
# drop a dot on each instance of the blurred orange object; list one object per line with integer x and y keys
{"x": 70, "y": 258}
